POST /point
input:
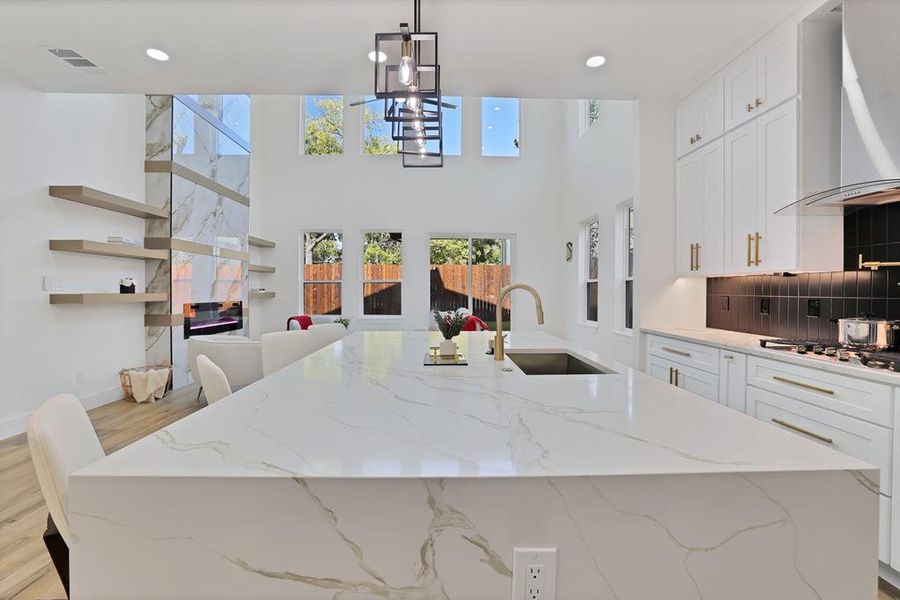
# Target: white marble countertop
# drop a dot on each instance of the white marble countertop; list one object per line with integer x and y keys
{"x": 748, "y": 343}
{"x": 366, "y": 407}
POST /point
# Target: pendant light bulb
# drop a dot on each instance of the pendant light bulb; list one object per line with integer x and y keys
{"x": 406, "y": 72}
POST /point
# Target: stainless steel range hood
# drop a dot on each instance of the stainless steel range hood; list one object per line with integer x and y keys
{"x": 870, "y": 112}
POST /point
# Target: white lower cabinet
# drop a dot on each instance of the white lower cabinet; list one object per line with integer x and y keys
{"x": 853, "y": 415}
{"x": 693, "y": 380}
{"x": 733, "y": 380}
{"x": 865, "y": 441}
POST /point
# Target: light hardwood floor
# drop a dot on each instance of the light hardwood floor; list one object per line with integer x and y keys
{"x": 25, "y": 568}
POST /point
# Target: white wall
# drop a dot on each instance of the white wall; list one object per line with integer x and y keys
{"x": 596, "y": 180}
{"x": 64, "y": 139}
{"x": 471, "y": 194}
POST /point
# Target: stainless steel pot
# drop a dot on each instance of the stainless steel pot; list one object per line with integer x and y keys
{"x": 867, "y": 333}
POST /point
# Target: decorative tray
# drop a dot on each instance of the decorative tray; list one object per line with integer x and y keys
{"x": 437, "y": 360}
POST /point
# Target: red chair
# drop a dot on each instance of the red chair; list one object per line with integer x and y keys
{"x": 475, "y": 324}
{"x": 303, "y": 321}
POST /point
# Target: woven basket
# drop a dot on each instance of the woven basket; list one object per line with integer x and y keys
{"x": 125, "y": 378}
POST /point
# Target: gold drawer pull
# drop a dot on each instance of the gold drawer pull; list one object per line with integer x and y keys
{"x": 671, "y": 370}
{"x": 803, "y": 385}
{"x": 749, "y": 244}
{"x": 821, "y": 438}
{"x": 678, "y": 352}
{"x": 676, "y": 377}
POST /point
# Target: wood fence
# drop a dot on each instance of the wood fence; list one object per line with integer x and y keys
{"x": 449, "y": 288}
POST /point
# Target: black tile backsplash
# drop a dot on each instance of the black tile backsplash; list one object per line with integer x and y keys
{"x": 782, "y": 305}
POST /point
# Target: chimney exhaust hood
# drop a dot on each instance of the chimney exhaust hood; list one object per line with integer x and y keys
{"x": 870, "y": 112}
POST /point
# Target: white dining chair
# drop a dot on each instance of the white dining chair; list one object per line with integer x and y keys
{"x": 61, "y": 440}
{"x": 282, "y": 348}
{"x": 213, "y": 379}
{"x": 327, "y": 333}
{"x": 236, "y": 355}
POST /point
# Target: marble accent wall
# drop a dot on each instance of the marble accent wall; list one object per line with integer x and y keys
{"x": 198, "y": 214}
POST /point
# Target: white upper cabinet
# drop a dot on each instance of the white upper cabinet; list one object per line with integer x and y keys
{"x": 762, "y": 77}
{"x": 699, "y": 204}
{"x": 699, "y": 117}
{"x": 777, "y": 106}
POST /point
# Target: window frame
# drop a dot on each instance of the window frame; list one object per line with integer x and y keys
{"x": 584, "y": 115}
{"x": 626, "y": 226}
{"x": 520, "y": 127}
{"x": 362, "y": 130}
{"x": 362, "y": 275}
{"x": 510, "y": 238}
{"x": 304, "y": 281}
{"x": 303, "y": 115}
{"x": 584, "y": 269}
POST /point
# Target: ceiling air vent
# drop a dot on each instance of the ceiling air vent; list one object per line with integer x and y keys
{"x": 74, "y": 59}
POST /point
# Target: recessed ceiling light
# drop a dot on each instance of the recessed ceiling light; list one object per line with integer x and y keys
{"x": 381, "y": 56}
{"x": 595, "y": 61}
{"x": 157, "y": 54}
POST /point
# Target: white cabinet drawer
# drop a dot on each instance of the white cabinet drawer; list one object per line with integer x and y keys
{"x": 687, "y": 378}
{"x": 847, "y": 395}
{"x": 865, "y": 441}
{"x": 689, "y": 354}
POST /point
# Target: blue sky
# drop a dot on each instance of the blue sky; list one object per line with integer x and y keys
{"x": 499, "y": 126}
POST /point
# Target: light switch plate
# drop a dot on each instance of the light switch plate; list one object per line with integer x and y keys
{"x": 534, "y": 574}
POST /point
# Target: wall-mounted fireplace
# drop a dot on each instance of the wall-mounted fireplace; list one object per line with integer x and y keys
{"x": 206, "y": 318}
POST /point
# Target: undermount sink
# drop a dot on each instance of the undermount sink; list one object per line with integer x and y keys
{"x": 552, "y": 363}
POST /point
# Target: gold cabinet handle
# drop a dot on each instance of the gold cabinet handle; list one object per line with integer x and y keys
{"x": 758, "y": 102}
{"x": 728, "y": 356}
{"x": 670, "y": 375}
{"x": 749, "y": 243}
{"x": 811, "y": 434}
{"x": 692, "y": 140}
{"x": 697, "y": 256}
{"x": 749, "y": 107}
{"x": 814, "y": 388}
{"x": 692, "y": 257}
{"x": 697, "y": 137}
{"x": 678, "y": 352}
{"x": 757, "y": 261}
{"x": 676, "y": 377}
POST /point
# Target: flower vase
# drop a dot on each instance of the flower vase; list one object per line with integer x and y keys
{"x": 448, "y": 348}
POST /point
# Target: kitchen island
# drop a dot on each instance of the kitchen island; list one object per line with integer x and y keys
{"x": 359, "y": 472}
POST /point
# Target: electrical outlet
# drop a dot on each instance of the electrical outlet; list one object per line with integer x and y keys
{"x": 534, "y": 574}
{"x": 79, "y": 376}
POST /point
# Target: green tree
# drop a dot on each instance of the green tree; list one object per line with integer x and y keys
{"x": 325, "y": 133}
{"x": 455, "y": 251}
{"x": 383, "y": 249}
{"x": 373, "y": 142}
{"x": 322, "y": 248}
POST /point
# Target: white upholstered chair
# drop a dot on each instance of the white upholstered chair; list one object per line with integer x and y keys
{"x": 238, "y": 356}
{"x": 213, "y": 379}
{"x": 327, "y": 333}
{"x": 282, "y": 348}
{"x": 61, "y": 440}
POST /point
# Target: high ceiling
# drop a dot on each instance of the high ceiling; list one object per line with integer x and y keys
{"x": 526, "y": 48}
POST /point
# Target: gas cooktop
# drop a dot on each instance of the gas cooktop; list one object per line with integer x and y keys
{"x": 832, "y": 351}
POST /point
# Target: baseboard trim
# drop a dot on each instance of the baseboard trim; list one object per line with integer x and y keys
{"x": 890, "y": 576}
{"x": 12, "y": 426}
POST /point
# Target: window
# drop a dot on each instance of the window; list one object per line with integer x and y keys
{"x": 588, "y": 112}
{"x": 235, "y": 113}
{"x": 377, "y": 132}
{"x": 500, "y": 127}
{"x": 591, "y": 245}
{"x": 322, "y": 257}
{"x": 627, "y": 317}
{"x": 468, "y": 272}
{"x": 323, "y": 125}
{"x": 382, "y": 273}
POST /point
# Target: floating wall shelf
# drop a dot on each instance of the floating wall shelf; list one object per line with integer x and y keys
{"x": 107, "y": 249}
{"x": 98, "y": 199}
{"x": 164, "y": 243}
{"x": 261, "y": 268}
{"x": 106, "y": 298}
{"x": 260, "y": 242}
{"x": 169, "y": 166}
{"x": 266, "y": 294}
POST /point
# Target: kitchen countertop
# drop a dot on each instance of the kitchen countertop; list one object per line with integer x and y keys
{"x": 748, "y": 343}
{"x": 366, "y": 407}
